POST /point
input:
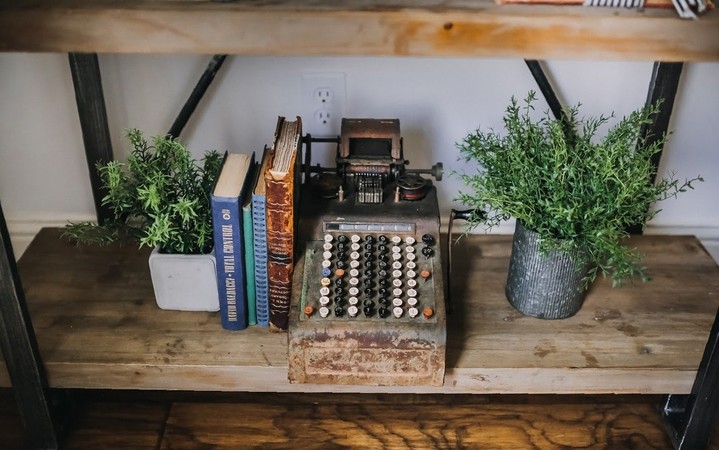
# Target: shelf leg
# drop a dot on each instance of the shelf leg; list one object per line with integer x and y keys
{"x": 691, "y": 418}
{"x": 90, "y": 101}
{"x": 20, "y": 350}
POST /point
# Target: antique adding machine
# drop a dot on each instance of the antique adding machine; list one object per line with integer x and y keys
{"x": 368, "y": 291}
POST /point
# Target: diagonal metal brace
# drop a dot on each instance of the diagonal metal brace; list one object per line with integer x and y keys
{"x": 196, "y": 95}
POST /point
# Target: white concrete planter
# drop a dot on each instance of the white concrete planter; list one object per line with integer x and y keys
{"x": 184, "y": 282}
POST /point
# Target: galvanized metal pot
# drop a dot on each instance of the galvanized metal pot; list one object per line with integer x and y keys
{"x": 543, "y": 285}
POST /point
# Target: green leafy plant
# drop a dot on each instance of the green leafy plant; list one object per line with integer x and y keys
{"x": 160, "y": 197}
{"x": 578, "y": 191}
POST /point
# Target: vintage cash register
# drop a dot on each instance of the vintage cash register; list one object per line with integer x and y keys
{"x": 368, "y": 291}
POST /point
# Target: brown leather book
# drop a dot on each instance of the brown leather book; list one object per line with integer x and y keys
{"x": 280, "y": 179}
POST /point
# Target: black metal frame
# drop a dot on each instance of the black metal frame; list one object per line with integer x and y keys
{"x": 690, "y": 417}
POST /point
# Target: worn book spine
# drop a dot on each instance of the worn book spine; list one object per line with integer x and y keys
{"x": 249, "y": 255}
{"x": 259, "y": 231}
{"x": 280, "y": 241}
{"x": 227, "y": 230}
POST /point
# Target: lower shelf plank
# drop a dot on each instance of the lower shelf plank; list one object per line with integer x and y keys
{"x": 448, "y": 423}
{"x": 98, "y": 326}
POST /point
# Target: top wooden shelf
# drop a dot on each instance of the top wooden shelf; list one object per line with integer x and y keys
{"x": 478, "y": 28}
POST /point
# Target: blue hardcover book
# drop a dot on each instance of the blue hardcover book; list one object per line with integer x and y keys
{"x": 226, "y": 199}
{"x": 259, "y": 230}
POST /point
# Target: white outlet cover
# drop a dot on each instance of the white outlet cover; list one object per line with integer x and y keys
{"x": 323, "y": 103}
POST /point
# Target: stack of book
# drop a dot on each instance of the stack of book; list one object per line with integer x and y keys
{"x": 253, "y": 207}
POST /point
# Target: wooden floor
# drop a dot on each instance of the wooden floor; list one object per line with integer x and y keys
{"x": 154, "y": 420}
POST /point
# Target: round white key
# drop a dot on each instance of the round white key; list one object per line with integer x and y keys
{"x": 354, "y": 273}
{"x": 397, "y": 312}
{"x": 352, "y": 311}
{"x": 409, "y": 240}
{"x": 355, "y": 238}
{"x": 411, "y": 273}
{"x": 327, "y": 255}
{"x": 396, "y": 273}
{"x": 397, "y": 302}
{"x": 325, "y": 291}
{"x": 354, "y": 291}
{"x": 324, "y": 300}
{"x": 327, "y": 246}
{"x": 353, "y": 300}
{"x": 396, "y": 282}
{"x": 396, "y": 265}
{"x": 328, "y": 238}
{"x": 354, "y": 255}
{"x": 396, "y": 239}
{"x": 412, "y": 301}
{"x": 411, "y": 283}
{"x": 325, "y": 281}
{"x": 396, "y": 249}
{"x": 411, "y": 293}
{"x": 398, "y": 256}
{"x": 324, "y": 311}
{"x": 326, "y": 263}
{"x": 397, "y": 292}
{"x": 411, "y": 256}
{"x": 413, "y": 312}
{"x": 354, "y": 264}
{"x": 354, "y": 281}
{"x": 409, "y": 249}
{"x": 411, "y": 265}
{"x": 354, "y": 247}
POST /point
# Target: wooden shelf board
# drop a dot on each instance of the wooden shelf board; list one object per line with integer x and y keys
{"x": 98, "y": 326}
{"x": 477, "y": 28}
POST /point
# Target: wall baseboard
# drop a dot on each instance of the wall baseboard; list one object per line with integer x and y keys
{"x": 23, "y": 230}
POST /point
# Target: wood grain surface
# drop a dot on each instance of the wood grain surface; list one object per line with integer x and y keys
{"x": 432, "y": 424}
{"x": 98, "y": 326}
{"x": 213, "y": 420}
{"x": 478, "y": 28}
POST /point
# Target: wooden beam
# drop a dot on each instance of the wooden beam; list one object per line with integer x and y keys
{"x": 358, "y": 27}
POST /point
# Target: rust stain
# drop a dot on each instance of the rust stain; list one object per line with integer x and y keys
{"x": 601, "y": 315}
{"x": 591, "y": 359}
{"x": 543, "y": 350}
{"x": 629, "y": 330}
{"x": 644, "y": 350}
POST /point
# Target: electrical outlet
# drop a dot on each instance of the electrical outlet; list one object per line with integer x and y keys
{"x": 323, "y": 103}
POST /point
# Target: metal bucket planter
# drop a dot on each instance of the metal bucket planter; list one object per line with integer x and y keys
{"x": 544, "y": 285}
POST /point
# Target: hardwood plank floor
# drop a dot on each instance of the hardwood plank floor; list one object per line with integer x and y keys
{"x": 193, "y": 420}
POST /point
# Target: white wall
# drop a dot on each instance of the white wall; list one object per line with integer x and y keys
{"x": 43, "y": 175}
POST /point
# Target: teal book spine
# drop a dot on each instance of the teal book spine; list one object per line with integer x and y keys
{"x": 249, "y": 263}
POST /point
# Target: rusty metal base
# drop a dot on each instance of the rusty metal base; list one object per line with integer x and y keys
{"x": 379, "y": 353}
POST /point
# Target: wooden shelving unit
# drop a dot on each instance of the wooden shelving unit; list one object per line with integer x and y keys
{"x": 98, "y": 326}
{"x": 93, "y": 311}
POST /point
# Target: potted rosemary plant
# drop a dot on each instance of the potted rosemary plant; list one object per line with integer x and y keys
{"x": 573, "y": 194}
{"x": 160, "y": 198}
